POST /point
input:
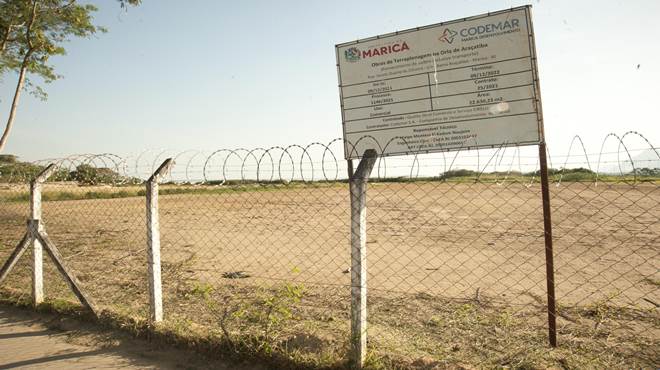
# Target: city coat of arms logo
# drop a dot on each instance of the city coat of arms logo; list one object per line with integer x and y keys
{"x": 352, "y": 54}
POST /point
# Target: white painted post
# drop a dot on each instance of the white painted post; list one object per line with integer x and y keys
{"x": 37, "y": 248}
{"x": 153, "y": 243}
{"x": 358, "y": 189}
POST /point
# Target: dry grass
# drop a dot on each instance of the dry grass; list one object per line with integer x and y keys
{"x": 419, "y": 332}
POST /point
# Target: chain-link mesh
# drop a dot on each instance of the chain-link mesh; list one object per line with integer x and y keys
{"x": 14, "y": 212}
{"x": 95, "y": 217}
{"x": 256, "y": 251}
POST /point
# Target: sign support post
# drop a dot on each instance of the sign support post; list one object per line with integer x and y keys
{"x": 549, "y": 255}
{"x": 153, "y": 243}
{"x": 468, "y": 83}
{"x": 358, "y": 190}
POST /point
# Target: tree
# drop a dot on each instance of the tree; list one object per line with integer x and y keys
{"x": 126, "y": 3}
{"x": 32, "y": 31}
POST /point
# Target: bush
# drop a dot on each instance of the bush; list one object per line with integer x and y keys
{"x": 457, "y": 173}
{"x": 8, "y": 158}
{"x": 90, "y": 175}
{"x": 13, "y": 171}
{"x": 648, "y": 172}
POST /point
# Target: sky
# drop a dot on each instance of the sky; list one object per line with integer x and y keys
{"x": 209, "y": 74}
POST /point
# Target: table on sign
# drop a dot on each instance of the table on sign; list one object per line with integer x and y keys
{"x": 480, "y": 91}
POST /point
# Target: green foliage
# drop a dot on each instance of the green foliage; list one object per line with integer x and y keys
{"x": 650, "y": 172}
{"x": 457, "y": 173}
{"x": 34, "y": 31}
{"x": 90, "y": 175}
{"x": 13, "y": 171}
{"x": 573, "y": 174}
{"x": 271, "y": 310}
{"x": 564, "y": 171}
{"x": 126, "y": 3}
{"x": 8, "y": 158}
{"x": 602, "y": 309}
{"x": 202, "y": 290}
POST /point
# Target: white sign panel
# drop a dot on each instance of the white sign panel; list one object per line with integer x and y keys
{"x": 470, "y": 83}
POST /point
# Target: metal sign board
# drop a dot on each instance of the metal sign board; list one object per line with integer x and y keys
{"x": 468, "y": 83}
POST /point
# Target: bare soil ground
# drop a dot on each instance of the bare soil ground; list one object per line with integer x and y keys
{"x": 456, "y": 270}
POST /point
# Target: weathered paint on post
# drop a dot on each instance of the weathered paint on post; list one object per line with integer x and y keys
{"x": 36, "y": 235}
{"x": 37, "y": 248}
{"x": 153, "y": 243}
{"x": 358, "y": 190}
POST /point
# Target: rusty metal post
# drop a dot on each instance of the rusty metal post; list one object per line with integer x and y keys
{"x": 549, "y": 255}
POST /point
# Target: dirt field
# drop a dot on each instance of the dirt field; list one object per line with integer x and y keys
{"x": 471, "y": 244}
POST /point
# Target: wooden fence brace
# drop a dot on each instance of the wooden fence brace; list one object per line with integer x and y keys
{"x": 358, "y": 190}
{"x": 37, "y": 248}
{"x": 153, "y": 243}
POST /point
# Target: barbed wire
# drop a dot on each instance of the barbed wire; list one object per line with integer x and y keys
{"x": 298, "y": 162}
{"x": 455, "y": 238}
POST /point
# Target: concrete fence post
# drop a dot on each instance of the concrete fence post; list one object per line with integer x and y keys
{"x": 36, "y": 186}
{"x": 37, "y": 237}
{"x": 153, "y": 243}
{"x": 358, "y": 190}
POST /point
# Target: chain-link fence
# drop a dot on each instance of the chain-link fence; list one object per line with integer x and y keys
{"x": 256, "y": 250}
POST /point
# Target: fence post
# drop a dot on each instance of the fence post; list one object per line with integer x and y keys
{"x": 549, "y": 254}
{"x": 153, "y": 243}
{"x": 358, "y": 190}
{"x": 37, "y": 248}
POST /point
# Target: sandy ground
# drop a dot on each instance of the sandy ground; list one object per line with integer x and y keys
{"x": 450, "y": 240}
{"x": 37, "y": 341}
{"x": 435, "y": 252}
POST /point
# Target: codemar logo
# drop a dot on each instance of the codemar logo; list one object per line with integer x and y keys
{"x": 448, "y": 36}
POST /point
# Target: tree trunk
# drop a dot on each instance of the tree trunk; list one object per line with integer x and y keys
{"x": 5, "y": 38}
{"x": 14, "y": 103}
{"x": 21, "y": 77}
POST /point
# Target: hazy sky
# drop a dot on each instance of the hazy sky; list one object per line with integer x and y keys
{"x": 226, "y": 74}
